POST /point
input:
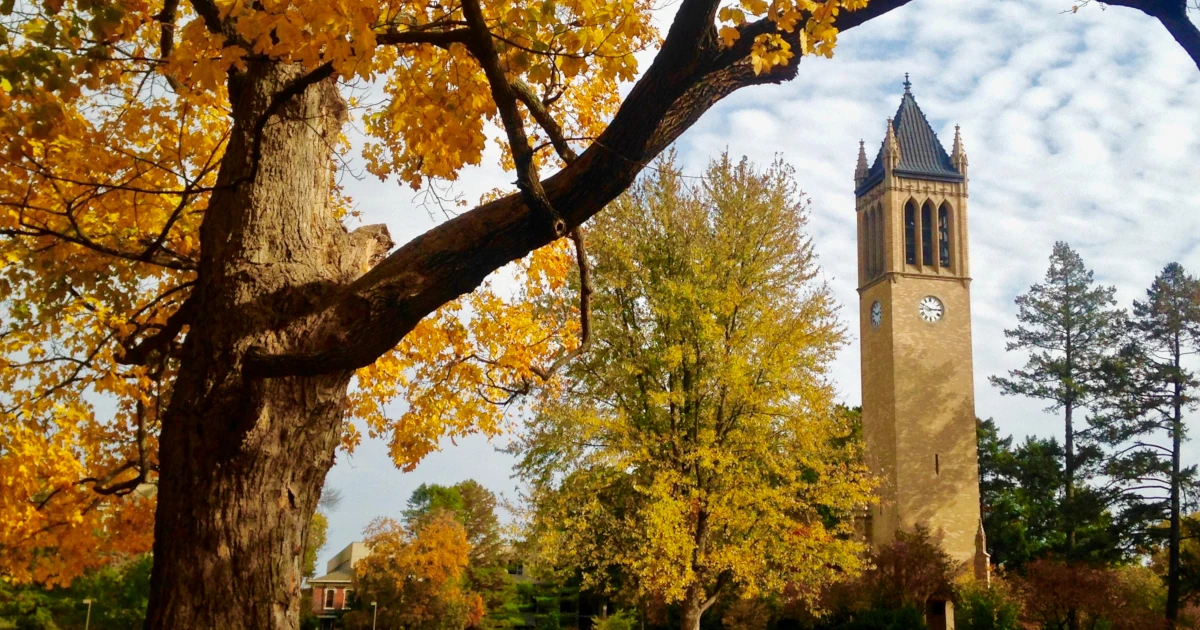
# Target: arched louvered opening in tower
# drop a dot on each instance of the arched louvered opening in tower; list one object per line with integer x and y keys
{"x": 927, "y": 234}
{"x": 944, "y": 214}
{"x": 879, "y": 248}
{"x": 910, "y": 233}
{"x": 870, "y": 253}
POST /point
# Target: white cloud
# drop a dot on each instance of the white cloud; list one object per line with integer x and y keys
{"x": 1079, "y": 127}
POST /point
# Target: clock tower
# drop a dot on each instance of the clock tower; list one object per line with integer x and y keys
{"x": 918, "y": 400}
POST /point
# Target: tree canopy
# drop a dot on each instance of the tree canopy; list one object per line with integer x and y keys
{"x": 694, "y": 450}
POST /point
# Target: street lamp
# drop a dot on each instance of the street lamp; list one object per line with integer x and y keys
{"x": 374, "y": 615}
{"x": 88, "y": 621}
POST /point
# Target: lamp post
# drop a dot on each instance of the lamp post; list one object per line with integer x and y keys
{"x": 88, "y": 622}
{"x": 374, "y": 614}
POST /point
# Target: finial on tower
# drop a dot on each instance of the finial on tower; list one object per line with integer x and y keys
{"x": 958, "y": 155}
{"x": 891, "y": 148}
{"x": 907, "y": 84}
{"x": 860, "y": 172}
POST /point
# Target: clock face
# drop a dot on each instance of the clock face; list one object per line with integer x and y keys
{"x": 876, "y": 314}
{"x": 930, "y": 308}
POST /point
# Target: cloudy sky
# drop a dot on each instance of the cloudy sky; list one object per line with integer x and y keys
{"x": 1083, "y": 128}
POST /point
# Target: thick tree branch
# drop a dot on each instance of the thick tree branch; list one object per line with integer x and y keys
{"x": 545, "y": 120}
{"x": 484, "y": 51}
{"x": 208, "y": 11}
{"x": 161, "y": 340}
{"x": 166, "y": 41}
{"x": 1172, "y": 14}
{"x": 688, "y": 76}
{"x": 439, "y": 38}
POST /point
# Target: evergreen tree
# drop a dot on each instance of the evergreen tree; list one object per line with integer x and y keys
{"x": 1021, "y": 492}
{"x": 1152, "y": 389}
{"x": 1068, "y": 327}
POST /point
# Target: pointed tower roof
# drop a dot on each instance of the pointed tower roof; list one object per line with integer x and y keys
{"x": 921, "y": 153}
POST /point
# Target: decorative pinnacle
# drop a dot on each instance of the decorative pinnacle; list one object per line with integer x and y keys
{"x": 957, "y": 153}
{"x": 907, "y": 84}
{"x": 860, "y": 171}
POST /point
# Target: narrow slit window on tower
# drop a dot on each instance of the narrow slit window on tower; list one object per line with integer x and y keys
{"x": 927, "y": 234}
{"x": 944, "y": 235}
{"x": 937, "y": 464}
{"x": 910, "y": 233}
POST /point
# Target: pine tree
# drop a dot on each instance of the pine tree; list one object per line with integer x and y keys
{"x": 1151, "y": 389}
{"x": 1068, "y": 326}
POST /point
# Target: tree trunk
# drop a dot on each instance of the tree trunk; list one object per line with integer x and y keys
{"x": 242, "y": 460}
{"x": 1069, "y": 482}
{"x": 1069, "y": 501}
{"x": 693, "y": 608}
{"x": 1173, "y": 561}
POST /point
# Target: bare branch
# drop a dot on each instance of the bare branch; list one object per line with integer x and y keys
{"x": 585, "y": 309}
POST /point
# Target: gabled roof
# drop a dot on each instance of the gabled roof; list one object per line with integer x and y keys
{"x": 335, "y": 577}
{"x": 921, "y": 153}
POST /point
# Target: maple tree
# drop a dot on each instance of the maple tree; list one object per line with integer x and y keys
{"x": 693, "y": 452}
{"x": 416, "y": 575}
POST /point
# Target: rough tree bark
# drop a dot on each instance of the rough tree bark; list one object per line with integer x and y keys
{"x": 243, "y": 460}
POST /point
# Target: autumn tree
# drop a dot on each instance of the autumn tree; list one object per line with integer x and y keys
{"x": 173, "y": 241}
{"x": 692, "y": 451}
{"x": 416, "y": 576}
{"x": 1068, "y": 327}
{"x": 474, "y": 507}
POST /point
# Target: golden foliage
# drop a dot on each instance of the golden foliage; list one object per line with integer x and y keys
{"x": 418, "y": 578}
{"x": 698, "y": 443}
{"x": 116, "y": 117}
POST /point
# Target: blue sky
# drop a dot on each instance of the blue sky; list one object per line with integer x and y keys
{"x": 1079, "y": 127}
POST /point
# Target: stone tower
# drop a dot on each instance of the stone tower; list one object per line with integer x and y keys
{"x": 918, "y": 400}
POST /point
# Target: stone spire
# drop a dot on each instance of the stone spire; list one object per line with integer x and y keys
{"x": 891, "y": 148}
{"x": 958, "y": 156}
{"x": 860, "y": 172}
{"x": 983, "y": 560}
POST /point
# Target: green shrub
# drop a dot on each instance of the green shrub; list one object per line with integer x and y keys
{"x": 623, "y": 620}
{"x": 984, "y": 607}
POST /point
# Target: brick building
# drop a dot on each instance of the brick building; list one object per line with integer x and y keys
{"x": 331, "y": 592}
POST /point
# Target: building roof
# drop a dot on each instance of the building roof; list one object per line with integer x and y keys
{"x": 348, "y": 557}
{"x": 336, "y": 576}
{"x": 921, "y": 153}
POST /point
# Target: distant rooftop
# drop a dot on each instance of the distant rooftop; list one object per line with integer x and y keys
{"x": 921, "y": 153}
